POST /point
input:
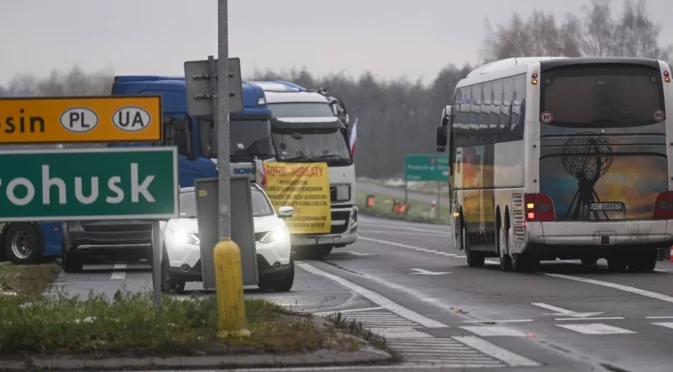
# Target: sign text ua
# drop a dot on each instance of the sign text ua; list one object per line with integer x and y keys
{"x": 426, "y": 168}
{"x": 88, "y": 184}
{"x": 80, "y": 119}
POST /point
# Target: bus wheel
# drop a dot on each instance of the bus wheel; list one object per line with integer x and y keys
{"x": 22, "y": 244}
{"x": 474, "y": 259}
{"x": 644, "y": 262}
{"x": 617, "y": 263}
{"x": 505, "y": 258}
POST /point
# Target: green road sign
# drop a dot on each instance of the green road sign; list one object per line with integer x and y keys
{"x": 430, "y": 168}
{"x": 88, "y": 184}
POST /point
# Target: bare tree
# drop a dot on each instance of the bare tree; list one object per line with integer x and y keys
{"x": 597, "y": 33}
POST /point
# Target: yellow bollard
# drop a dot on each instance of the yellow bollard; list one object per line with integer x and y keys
{"x": 229, "y": 289}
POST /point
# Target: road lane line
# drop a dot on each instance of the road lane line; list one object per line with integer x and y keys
{"x": 119, "y": 275}
{"x": 426, "y": 234}
{"x": 348, "y": 310}
{"x": 413, "y": 248}
{"x": 498, "y": 321}
{"x": 638, "y": 291}
{"x": 596, "y": 329}
{"x": 659, "y": 317}
{"x": 376, "y": 298}
{"x": 513, "y": 360}
{"x": 625, "y": 288}
{"x": 594, "y": 318}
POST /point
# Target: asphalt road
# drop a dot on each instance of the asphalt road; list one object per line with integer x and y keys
{"x": 405, "y": 282}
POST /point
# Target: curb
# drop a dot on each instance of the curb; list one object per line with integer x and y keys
{"x": 367, "y": 355}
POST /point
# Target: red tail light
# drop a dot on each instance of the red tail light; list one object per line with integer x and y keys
{"x": 663, "y": 207}
{"x": 539, "y": 207}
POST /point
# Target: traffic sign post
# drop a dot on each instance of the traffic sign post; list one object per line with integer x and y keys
{"x": 49, "y": 120}
{"x": 426, "y": 168}
{"x": 201, "y": 78}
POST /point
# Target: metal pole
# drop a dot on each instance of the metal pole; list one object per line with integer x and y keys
{"x": 406, "y": 188}
{"x": 439, "y": 197}
{"x": 223, "y": 161}
{"x": 156, "y": 263}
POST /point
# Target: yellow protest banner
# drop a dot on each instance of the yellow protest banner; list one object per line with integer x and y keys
{"x": 304, "y": 187}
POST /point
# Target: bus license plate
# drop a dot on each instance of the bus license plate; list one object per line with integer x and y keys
{"x": 606, "y": 207}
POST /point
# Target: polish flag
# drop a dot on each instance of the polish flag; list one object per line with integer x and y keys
{"x": 351, "y": 141}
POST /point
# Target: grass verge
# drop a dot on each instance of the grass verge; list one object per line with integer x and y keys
{"x": 26, "y": 281}
{"x": 418, "y": 211}
{"x": 129, "y": 325}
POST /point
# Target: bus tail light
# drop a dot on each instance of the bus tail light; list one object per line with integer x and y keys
{"x": 539, "y": 207}
{"x": 663, "y": 206}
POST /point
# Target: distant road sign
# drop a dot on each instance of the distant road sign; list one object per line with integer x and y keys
{"x": 430, "y": 168}
{"x": 88, "y": 184}
{"x": 80, "y": 119}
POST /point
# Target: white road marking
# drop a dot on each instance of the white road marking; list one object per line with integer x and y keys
{"x": 499, "y": 321}
{"x": 659, "y": 317}
{"x": 380, "y": 320}
{"x": 667, "y": 325}
{"x": 427, "y": 272}
{"x": 596, "y": 329}
{"x": 399, "y": 333}
{"x": 594, "y": 318}
{"x": 376, "y": 298}
{"x": 119, "y": 275}
{"x": 397, "y": 231}
{"x": 413, "y": 248}
{"x": 348, "y": 310}
{"x": 488, "y": 331}
{"x": 620, "y": 287}
{"x": 561, "y": 311}
{"x": 358, "y": 253}
{"x": 513, "y": 360}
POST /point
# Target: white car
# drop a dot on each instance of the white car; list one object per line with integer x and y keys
{"x": 181, "y": 258}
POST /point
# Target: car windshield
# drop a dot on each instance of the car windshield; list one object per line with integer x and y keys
{"x": 187, "y": 204}
{"x": 324, "y": 145}
{"x": 260, "y": 204}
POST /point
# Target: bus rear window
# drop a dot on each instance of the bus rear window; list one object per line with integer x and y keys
{"x": 601, "y": 95}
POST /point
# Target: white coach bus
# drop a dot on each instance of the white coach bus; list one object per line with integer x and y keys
{"x": 562, "y": 158}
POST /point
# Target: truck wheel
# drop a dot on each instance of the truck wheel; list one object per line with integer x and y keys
{"x": 22, "y": 244}
{"x": 70, "y": 262}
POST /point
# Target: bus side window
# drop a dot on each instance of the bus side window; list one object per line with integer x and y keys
{"x": 494, "y": 120}
{"x": 507, "y": 96}
{"x": 484, "y": 130}
{"x": 520, "y": 100}
{"x": 461, "y": 117}
{"x": 475, "y": 113}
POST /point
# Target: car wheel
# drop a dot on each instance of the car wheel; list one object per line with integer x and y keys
{"x": 169, "y": 282}
{"x": 283, "y": 284}
{"x": 22, "y": 244}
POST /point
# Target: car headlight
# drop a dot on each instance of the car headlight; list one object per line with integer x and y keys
{"x": 183, "y": 237}
{"x": 274, "y": 236}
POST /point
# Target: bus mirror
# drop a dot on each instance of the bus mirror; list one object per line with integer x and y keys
{"x": 182, "y": 143}
{"x": 446, "y": 115}
{"x": 442, "y": 135}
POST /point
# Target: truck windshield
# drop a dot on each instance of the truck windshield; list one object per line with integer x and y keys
{"x": 305, "y": 145}
{"x": 301, "y": 110}
{"x": 248, "y": 138}
{"x": 602, "y": 96}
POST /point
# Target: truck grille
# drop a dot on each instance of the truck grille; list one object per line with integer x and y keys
{"x": 340, "y": 216}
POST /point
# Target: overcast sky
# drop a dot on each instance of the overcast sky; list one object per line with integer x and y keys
{"x": 391, "y": 38}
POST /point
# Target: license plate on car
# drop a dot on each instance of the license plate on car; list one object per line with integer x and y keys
{"x": 606, "y": 207}
{"x": 325, "y": 240}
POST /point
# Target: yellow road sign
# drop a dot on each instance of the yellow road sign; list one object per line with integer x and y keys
{"x": 80, "y": 119}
